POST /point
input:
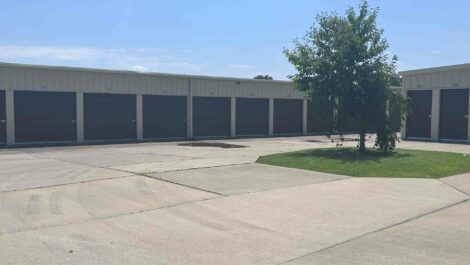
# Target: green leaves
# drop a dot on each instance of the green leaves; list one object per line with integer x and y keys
{"x": 343, "y": 60}
{"x": 266, "y": 77}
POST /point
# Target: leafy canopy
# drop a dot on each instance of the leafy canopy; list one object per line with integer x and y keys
{"x": 343, "y": 61}
{"x": 267, "y": 77}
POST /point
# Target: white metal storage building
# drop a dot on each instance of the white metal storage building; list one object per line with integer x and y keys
{"x": 440, "y": 103}
{"x": 44, "y": 104}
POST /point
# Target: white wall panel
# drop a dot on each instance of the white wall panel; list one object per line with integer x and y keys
{"x": 446, "y": 77}
{"x": 458, "y": 78}
{"x": 40, "y": 78}
{"x": 234, "y": 88}
{"x": 17, "y": 78}
{"x": 465, "y": 78}
{"x": 427, "y": 80}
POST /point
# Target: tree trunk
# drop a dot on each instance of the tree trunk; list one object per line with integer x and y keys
{"x": 362, "y": 133}
{"x": 362, "y": 142}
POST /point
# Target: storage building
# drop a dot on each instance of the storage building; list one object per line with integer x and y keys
{"x": 45, "y": 104}
{"x": 440, "y": 103}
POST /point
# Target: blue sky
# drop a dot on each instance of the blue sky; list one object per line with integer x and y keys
{"x": 214, "y": 37}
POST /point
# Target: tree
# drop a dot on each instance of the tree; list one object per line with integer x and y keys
{"x": 267, "y": 77}
{"x": 343, "y": 60}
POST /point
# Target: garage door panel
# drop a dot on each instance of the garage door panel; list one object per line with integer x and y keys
{"x": 211, "y": 116}
{"x": 288, "y": 116}
{"x": 164, "y": 116}
{"x": 109, "y": 116}
{"x": 453, "y": 123}
{"x": 3, "y": 129}
{"x": 252, "y": 116}
{"x": 45, "y": 116}
{"x": 418, "y": 123}
{"x": 319, "y": 117}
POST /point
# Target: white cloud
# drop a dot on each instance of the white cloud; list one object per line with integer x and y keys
{"x": 13, "y": 52}
{"x": 139, "y": 68}
{"x": 141, "y": 59}
{"x": 240, "y": 67}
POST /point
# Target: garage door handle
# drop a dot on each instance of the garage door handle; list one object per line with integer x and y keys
{"x": 133, "y": 121}
{"x": 74, "y": 121}
{"x": 429, "y": 116}
{"x": 3, "y": 121}
{"x": 466, "y": 116}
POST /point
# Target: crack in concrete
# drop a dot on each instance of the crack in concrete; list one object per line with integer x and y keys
{"x": 453, "y": 187}
{"x": 180, "y": 184}
{"x": 219, "y": 195}
{"x": 378, "y": 230}
{"x": 105, "y": 217}
{"x": 66, "y": 184}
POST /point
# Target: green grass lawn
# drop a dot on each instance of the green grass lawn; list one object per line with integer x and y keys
{"x": 402, "y": 163}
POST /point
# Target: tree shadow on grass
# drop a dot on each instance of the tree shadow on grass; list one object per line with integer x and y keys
{"x": 349, "y": 155}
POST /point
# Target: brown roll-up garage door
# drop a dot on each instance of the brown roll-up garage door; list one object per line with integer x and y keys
{"x": 45, "y": 116}
{"x": 211, "y": 116}
{"x": 453, "y": 123}
{"x": 165, "y": 116}
{"x": 418, "y": 123}
{"x": 3, "y": 118}
{"x": 319, "y": 117}
{"x": 109, "y": 116}
{"x": 287, "y": 116}
{"x": 252, "y": 116}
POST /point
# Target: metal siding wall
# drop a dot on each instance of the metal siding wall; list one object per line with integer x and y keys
{"x": 421, "y": 80}
{"x": 427, "y": 80}
{"x": 89, "y": 82}
{"x": 57, "y": 79}
{"x": 459, "y": 78}
{"x": 465, "y": 78}
{"x": 94, "y": 81}
{"x": 246, "y": 89}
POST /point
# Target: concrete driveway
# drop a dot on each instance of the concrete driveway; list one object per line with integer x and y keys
{"x": 163, "y": 203}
